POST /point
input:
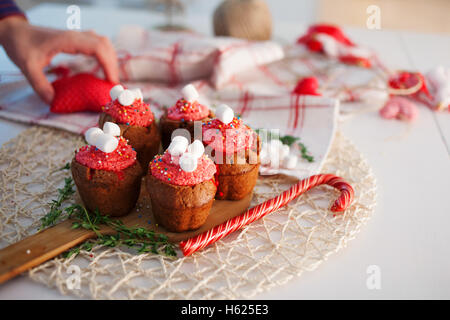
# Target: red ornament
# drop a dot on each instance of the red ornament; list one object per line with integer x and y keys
{"x": 307, "y": 86}
{"x": 81, "y": 92}
{"x": 309, "y": 38}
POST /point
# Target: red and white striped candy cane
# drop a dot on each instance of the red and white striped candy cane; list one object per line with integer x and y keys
{"x": 206, "y": 238}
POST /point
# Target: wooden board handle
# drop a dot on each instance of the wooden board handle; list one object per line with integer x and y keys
{"x": 36, "y": 249}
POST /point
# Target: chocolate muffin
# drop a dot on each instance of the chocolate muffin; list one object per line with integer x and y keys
{"x": 136, "y": 121}
{"x": 235, "y": 149}
{"x": 181, "y": 194}
{"x": 183, "y": 115}
{"x": 107, "y": 181}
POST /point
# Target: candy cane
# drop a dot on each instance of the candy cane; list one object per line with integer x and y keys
{"x": 206, "y": 238}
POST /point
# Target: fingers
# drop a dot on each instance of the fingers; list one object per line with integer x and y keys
{"x": 90, "y": 43}
{"x": 37, "y": 79}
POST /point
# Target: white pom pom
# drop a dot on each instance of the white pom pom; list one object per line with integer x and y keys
{"x": 137, "y": 94}
{"x": 91, "y": 135}
{"x": 112, "y": 129}
{"x": 126, "y": 97}
{"x": 115, "y": 91}
{"x": 188, "y": 162}
{"x": 189, "y": 93}
{"x": 290, "y": 162}
{"x": 224, "y": 113}
{"x": 107, "y": 143}
{"x": 178, "y": 147}
{"x": 196, "y": 148}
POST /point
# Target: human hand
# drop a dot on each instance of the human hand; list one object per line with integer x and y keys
{"x": 32, "y": 48}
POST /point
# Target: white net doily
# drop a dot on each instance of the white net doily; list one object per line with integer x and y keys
{"x": 265, "y": 254}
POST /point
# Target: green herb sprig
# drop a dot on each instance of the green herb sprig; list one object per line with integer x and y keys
{"x": 137, "y": 238}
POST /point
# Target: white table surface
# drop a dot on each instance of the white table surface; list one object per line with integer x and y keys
{"x": 408, "y": 236}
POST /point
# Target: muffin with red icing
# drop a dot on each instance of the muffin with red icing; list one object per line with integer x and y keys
{"x": 106, "y": 172}
{"x": 181, "y": 185}
{"x": 136, "y": 121}
{"x": 235, "y": 149}
{"x": 183, "y": 115}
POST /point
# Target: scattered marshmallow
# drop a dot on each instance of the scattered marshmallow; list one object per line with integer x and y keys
{"x": 189, "y": 93}
{"x": 126, "y": 97}
{"x": 116, "y": 91}
{"x": 196, "y": 148}
{"x": 111, "y": 128}
{"x": 188, "y": 162}
{"x": 275, "y": 154}
{"x": 91, "y": 135}
{"x": 224, "y": 113}
{"x": 107, "y": 143}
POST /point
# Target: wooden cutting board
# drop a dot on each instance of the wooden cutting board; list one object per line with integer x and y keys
{"x": 49, "y": 243}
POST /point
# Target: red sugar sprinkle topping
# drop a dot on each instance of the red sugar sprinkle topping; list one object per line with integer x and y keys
{"x": 120, "y": 159}
{"x": 137, "y": 114}
{"x": 189, "y": 111}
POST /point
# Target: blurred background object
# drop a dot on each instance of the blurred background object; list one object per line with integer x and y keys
{"x": 412, "y": 15}
{"x": 247, "y": 19}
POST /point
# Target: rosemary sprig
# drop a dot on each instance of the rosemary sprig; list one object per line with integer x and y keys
{"x": 305, "y": 153}
{"x": 138, "y": 238}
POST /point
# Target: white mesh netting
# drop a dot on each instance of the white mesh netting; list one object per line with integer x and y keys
{"x": 267, "y": 253}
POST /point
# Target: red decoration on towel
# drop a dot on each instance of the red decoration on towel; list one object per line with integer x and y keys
{"x": 307, "y": 86}
{"x": 81, "y": 92}
{"x": 206, "y": 238}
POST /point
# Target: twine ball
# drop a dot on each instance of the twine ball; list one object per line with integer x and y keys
{"x": 247, "y": 19}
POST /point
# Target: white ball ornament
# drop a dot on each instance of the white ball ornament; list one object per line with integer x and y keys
{"x": 224, "y": 113}
{"x": 188, "y": 162}
{"x": 126, "y": 97}
{"x": 189, "y": 93}
{"x": 196, "y": 148}
{"x": 115, "y": 91}
{"x": 107, "y": 143}
{"x": 112, "y": 129}
{"x": 91, "y": 135}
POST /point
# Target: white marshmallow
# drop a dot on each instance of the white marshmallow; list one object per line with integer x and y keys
{"x": 177, "y": 147}
{"x": 188, "y": 162}
{"x": 290, "y": 162}
{"x": 224, "y": 113}
{"x": 112, "y": 129}
{"x": 284, "y": 151}
{"x": 115, "y": 91}
{"x": 137, "y": 93}
{"x": 189, "y": 93}
{"x": 107, "y": 143}
{"x": 196, "y": 148}
{"x": 91, "y": 135}
{"x": 126, "y": 97}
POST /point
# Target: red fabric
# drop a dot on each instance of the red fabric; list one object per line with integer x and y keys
{"x": 81, "y": 92}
